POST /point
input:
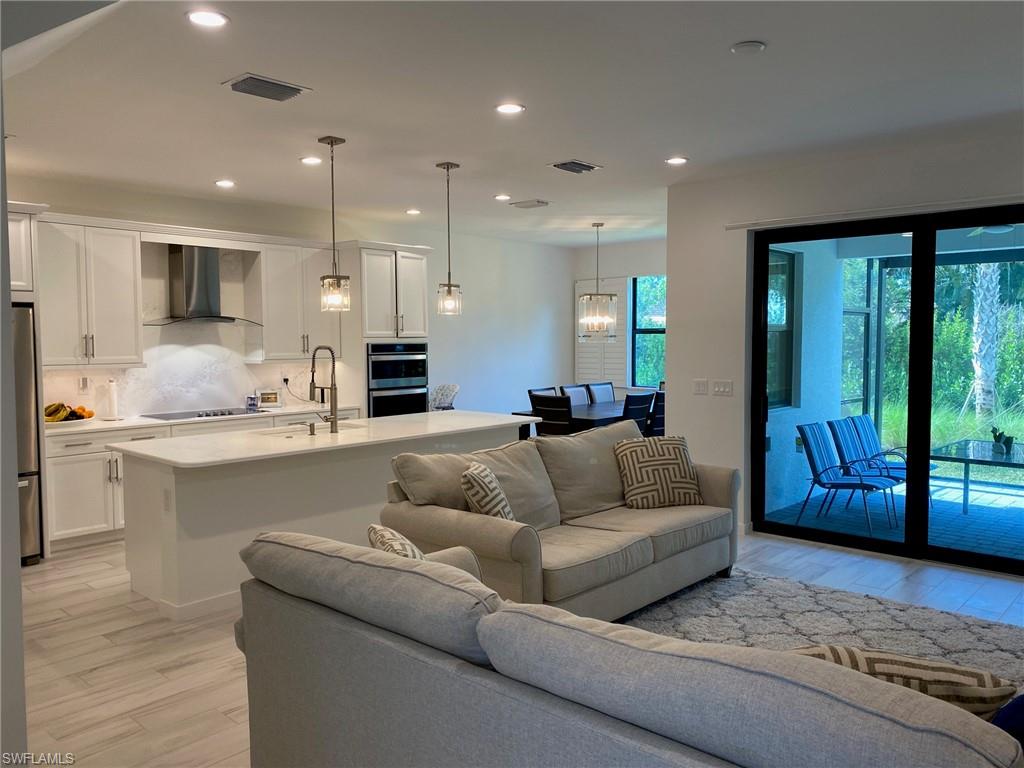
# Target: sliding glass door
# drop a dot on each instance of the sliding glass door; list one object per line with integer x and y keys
{"x": 884, "y": 353}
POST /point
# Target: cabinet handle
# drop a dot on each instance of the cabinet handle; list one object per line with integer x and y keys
{"x": 85, "y": 345}
{"x": 117, "y": 469}
{"x": 147, "y": 437}
{"x": 92, "y": 345}
{"x": 402, "y": 324}
{"x": 110, "y": 472}
{"x": 77, "y": 445}
{"x": 396, "y": 325}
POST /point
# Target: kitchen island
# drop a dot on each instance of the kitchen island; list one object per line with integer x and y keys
{"x": 191, "y": 503}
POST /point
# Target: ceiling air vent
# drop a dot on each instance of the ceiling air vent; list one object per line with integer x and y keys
{"x": 264, "y": 87}
{"x": 576, "y": 166}
{"x": 530, "y": 204}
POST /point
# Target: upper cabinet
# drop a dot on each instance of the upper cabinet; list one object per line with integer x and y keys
{"x": 293, "y": 324}
{"x": 394, "y": 288}
{"x": 90, "y": 288}
{"x": 19, "y": 238}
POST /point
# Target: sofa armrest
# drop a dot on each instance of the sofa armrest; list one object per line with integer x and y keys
{"x": 720, "y": 487}
{"x": 460, "y": 557}
{"x": 509, "y": 552}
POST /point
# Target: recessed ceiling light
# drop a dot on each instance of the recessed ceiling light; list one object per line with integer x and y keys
{"x": 678, "y": 160}
{"x": 414, "y": 211}
{"x": 503, "y": 197}
{"x": 311, "y": 160}
{"x": 208, "y": 18}
{"x": 225, "y": 183}
{"x": 748, "y": 46}
{"x": 510, "y": 108}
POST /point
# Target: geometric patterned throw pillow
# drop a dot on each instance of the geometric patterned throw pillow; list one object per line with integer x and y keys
{"x": 484, "y": 494}
{"x": 975, "y": 690}
{"x": 388, "y": 540}
{"x": 657, "y": 472}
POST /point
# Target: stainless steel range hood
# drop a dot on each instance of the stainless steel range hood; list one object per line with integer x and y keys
{"x": 194, "y": 280}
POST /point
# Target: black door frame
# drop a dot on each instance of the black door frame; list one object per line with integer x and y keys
{"x": 922, "y": 311}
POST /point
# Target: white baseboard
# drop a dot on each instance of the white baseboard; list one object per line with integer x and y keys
{"x": 187, "y": 611}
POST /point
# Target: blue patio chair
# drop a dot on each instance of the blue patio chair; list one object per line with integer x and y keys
{"x": 828, "y": 472}
{"x": 891, "y": 462}
{"x": 852, "y": 452}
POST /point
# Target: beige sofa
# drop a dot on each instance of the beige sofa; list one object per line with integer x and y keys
{"x": 361, "y": 658}
{"x": 574, "y": 544}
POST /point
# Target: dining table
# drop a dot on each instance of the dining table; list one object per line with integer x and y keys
{"x": 586, "y": 416}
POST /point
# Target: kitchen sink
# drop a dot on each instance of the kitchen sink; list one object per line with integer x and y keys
{"x": 303, "y": 429}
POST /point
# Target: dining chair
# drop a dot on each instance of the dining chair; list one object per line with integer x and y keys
{"x": 442, "y": 397}
{"x": 601, "y": 392}
{"x": 555, "y": 412}
{"x": 638, "y": 408}
{"x": 577, "y": 393}
{"x": 551, "y": 391}
{"x": 656, "y": 420}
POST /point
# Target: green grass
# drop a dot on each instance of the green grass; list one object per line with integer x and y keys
{"x": 949, "y": 425}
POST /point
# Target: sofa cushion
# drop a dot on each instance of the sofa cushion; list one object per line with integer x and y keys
{"x": 575, "y": 559}
{"x": 433, "y": 603}
{"x": 583, "y": 469}
{"x": 976, "y": 690}
{"x": 657, "y": 472}
{"x": 483, "y": 492}
{"x": 386, "y": 540}
{"x": 749, "y": 706}
{"x": 672, "y": 529}
{"x": 436, "y": 479}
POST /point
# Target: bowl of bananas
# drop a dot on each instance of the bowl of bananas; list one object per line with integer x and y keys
{"x": 59, "y": 412}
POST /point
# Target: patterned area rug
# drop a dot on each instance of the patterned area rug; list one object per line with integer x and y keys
{"x": 771, "y": 612}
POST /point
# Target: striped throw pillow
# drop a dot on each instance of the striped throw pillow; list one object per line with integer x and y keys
{"x": 975, "y": 690}
{"x": 657, "y": 472}
{"x": 483, "y": 492}
{"x": 387, "y": 540}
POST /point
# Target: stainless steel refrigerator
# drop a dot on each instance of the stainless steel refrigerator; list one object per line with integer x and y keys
{"x": 27, "y": 418}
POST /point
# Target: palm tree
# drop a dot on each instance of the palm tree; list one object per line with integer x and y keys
{"x": 985, "y": 338}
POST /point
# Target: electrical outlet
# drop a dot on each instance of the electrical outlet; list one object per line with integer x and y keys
{"x": 767, "y": 443}
{"x": 721, "y": 387}
{"x": 84, "y": 384}
{"x": 700, "y": 386}
{"x": 799, "y": 444}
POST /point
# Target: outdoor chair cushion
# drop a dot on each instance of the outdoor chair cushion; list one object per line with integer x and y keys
{"x": 671, "y": 529}
{"x": 575, "y": 559}
{"x": 583, "y": 468}
{"x": 437, "y": 479}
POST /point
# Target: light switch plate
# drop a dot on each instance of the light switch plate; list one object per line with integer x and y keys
{"x": 700, "y": 386}
{"x": 721, "y": 387}
{"x": 83, "y": 384}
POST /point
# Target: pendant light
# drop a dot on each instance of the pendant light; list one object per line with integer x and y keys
{"x": 449, "y": 295}
{"x": 334, "y": 288}
{"x": 596, "y": 312}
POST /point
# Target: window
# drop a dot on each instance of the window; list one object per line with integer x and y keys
{"x": 780, "y": 328}
{"x": 648, "y": 331}
{"x": 856, "y": 361}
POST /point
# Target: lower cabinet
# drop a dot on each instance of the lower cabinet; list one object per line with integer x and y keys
{"x": 80, "y": 494}
{"x": 118, "y": 488}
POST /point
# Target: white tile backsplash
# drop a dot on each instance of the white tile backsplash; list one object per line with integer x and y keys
{"x": 189, "y": 366}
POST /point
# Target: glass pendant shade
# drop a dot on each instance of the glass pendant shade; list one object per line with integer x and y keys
{"x": 449, "y": 299}
{"x": 334, "y": 294}
{"x": 596, "y": 317}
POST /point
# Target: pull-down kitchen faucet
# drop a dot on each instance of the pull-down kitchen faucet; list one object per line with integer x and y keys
{"x": 313, "y": 388}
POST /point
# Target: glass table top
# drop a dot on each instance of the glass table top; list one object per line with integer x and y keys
{"x": 979, "y": 452}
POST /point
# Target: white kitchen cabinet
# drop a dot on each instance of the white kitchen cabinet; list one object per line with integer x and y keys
{"x": 344, "y": 414}
{"x": 411, "y": 270}
{"x": 19, "y": 239}
{"x": 380, "y": 301}
{"x": 394, "y": 286}
{"x": 283, "y": 332}
{"x": 90, "y": 289}
{"x": 319, "y": 327}
{"x": 63, "y": 317}
{"x": 222, "y": 425}
{"x": 80, "y": 491}
{"x": 118, "y": 488}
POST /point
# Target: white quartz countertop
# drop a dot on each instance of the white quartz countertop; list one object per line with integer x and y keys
{"x": 130, "y": 422}
{"x": 193, "y": 451}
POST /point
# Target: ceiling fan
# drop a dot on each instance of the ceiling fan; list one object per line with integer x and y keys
{"x": 995, "y": 229}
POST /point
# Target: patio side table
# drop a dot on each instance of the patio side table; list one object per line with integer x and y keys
{"x": 968, "y": 452}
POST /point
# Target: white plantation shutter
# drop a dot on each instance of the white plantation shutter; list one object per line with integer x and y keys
{"x": 605, "y": 361}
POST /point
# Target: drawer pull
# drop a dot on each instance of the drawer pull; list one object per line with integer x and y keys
{"x": 146, "y": 437}
{"x": 77, "y": 445}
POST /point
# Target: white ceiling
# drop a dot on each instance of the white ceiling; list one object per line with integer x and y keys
{"x": 137, "y": 99}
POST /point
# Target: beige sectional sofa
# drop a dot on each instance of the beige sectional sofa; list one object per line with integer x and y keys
{"x": 356, "y": 657}
{"x": 574, "y": 544}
